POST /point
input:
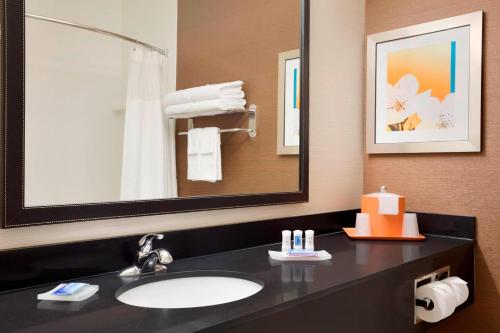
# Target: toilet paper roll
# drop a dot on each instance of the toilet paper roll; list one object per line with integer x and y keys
{"x": 459, "y": 287}
{"x": 443, "y": 298}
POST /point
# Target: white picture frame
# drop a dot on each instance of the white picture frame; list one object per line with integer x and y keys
{"x": 288, "y": 117}
{"x": 411, "y": 106}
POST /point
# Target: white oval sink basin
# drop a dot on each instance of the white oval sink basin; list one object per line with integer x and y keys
{"x": 189, "y": 291}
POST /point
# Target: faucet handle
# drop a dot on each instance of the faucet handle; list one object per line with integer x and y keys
{"x": 147, "y": 237}
{"x": 164, "y": 257}
{"x": 146, "y": 242}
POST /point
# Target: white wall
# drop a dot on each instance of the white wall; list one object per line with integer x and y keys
{"x": 75, "y": 89}
{"x": 155, "y": 23}
{"x": 73, "y": 84}
{"x": 336, "y": 73}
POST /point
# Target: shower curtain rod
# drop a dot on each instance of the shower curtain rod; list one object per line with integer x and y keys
{"x": 101, "y": 31}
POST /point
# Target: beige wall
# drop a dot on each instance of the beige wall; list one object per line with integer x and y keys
{"x": 465, "y": 184}
{"x": 337, "y": 30}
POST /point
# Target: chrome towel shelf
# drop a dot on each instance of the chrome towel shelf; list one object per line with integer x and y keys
{"x": 252, "y": 122}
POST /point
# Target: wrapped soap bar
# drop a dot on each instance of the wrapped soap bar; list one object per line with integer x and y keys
{"x": 67, "y": 289}
{"x": 69, "y": 292}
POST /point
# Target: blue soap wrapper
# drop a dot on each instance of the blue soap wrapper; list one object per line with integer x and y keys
{"x": 68, "y": 289}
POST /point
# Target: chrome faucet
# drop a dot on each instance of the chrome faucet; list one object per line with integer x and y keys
{"x": 148, "y": 260}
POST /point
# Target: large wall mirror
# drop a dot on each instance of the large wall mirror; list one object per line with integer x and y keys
{"x": 124, "y": 108}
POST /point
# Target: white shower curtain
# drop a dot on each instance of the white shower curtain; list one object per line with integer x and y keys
{"x": 148, "y": 165}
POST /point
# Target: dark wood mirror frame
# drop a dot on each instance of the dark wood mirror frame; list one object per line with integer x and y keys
{"x": 15, "y": 214}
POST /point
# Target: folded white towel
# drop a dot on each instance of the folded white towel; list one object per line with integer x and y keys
{"x": 228, "y": 90}
{"x": 207, "y": 108}
{"x": 204, "y": 156}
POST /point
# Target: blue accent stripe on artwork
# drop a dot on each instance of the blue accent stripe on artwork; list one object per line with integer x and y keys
{"x": 453, "y": 66}
{"x": 295, "y": 88}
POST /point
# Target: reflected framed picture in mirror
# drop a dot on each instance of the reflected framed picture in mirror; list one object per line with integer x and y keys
{"x": 116, "y": 109}
{"x": 288, "y": 138}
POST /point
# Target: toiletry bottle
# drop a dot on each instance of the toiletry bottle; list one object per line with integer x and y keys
{"x": 286, "y": 241}
{"x": 309, "y": 240}
{"x": 297, "y": 239}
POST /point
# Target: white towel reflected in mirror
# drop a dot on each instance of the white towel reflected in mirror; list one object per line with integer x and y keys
{"x": 204, "y": 155}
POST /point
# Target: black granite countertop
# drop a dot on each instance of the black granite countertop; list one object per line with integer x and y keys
{"x": 286, "y": 284}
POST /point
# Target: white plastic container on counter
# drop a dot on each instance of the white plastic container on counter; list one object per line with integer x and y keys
{"x": 286, "y": 243}
{"x": 309, "y": 246}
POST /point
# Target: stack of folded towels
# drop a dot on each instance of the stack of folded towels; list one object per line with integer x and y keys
{"x": 204, "y": 151}
{"x": 205, "y": 101}
{"x": 204, "y": 159}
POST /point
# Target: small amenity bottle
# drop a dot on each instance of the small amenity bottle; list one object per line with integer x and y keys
{"x": 309, "y": 240}
{"x": 297, "y": 239}
{"x": 286, "y": 240}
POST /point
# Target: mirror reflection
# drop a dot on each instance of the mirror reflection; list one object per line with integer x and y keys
{"x": 150, "y": 99}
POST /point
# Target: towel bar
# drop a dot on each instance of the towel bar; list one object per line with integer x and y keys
{"x": 252, "y": 123}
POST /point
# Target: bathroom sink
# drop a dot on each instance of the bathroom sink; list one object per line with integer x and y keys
{"x": 189, "y": 289}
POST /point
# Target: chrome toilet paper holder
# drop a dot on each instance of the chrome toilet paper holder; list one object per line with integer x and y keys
{"x": 426, "y": 303}
{"x": 437, "y": 275}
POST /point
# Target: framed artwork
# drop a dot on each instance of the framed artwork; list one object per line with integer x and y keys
{"x": 423, "y": 89}
{"x": 288, "y": 138}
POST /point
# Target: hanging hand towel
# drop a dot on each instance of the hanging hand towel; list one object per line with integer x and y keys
{"x": 204, "y": 156}
{"x": 230, "y": 90}
{"x": 193, "y": 149}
